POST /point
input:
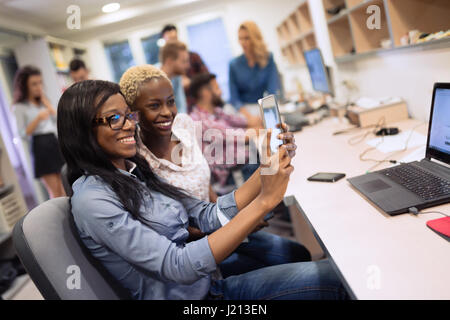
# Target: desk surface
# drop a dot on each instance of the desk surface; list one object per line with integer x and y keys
{"x": 380, "y": 257}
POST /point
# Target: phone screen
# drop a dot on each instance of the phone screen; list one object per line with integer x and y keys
{"x": 271, "y": 119}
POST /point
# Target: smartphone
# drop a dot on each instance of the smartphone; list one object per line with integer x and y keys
{"x": 271, "y": 117}
{"x": 327, "y": 177}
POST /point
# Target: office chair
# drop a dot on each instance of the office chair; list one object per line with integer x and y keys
{"x": 49, "y": 247}
{"x": 65, "y": 181}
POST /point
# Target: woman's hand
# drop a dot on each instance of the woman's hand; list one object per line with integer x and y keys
{"x": 43, "y": 114}
{"x": 275, "y": 175}
{"x": 263, "y": 224}
{"x": 288, "y": 139}
{"x": 194, "y": 234}
{"x": 47, "y": 104}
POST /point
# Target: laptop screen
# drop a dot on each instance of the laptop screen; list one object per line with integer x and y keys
{"x": 439, "y": 135}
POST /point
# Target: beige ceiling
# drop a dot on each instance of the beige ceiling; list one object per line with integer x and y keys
{"x": 51, "y": 15}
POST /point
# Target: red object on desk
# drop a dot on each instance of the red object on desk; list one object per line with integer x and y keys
{"x": 441, "y": 226}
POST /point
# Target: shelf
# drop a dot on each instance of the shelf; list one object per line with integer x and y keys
{"x": 341, "y": 15}
{"x": 299, "y": 48}
{"x": 352, "y": 4}
{"x": 296, "y": 34}
{"x": 366, "y": 39}
{"x": 435, "y": 44}
{"x": 341, "y": 37}
{"x": 329, "y": 4}
{"x": 426, "y": 16}
{"x": 304, "y": 18}
{"x": 293, "y": 25}
{"x": 309, "y": 42}
{"x": 5, "y": 190}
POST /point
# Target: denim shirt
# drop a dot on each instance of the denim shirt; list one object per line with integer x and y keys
{"x": 248, "y": 84}
{"x": 152, "y": 260}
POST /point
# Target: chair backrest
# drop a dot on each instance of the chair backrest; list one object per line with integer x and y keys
{"x": 48, "y": 244}
{"x": 65, "y": 181}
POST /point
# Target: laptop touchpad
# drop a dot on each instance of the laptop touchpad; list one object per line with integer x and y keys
{"x": 374, "y": 186}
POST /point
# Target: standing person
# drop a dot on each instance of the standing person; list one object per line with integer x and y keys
{"x": 254, "y": 73}
{"x": 36, "y": 118}
{"x": 78, "y": 70}
{"x": 174, "y": 62}
{"x": 136, "y": 224}
{"x": 197, "y": 66}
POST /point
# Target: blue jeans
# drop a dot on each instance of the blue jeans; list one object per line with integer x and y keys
{"x": 293, "y": 281}
{"x": 263, "y": 250}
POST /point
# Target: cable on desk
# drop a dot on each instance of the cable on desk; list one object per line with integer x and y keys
{"x": 416, "y": 212}
{"x": 393, "y": 161}
{"x": 361, "y": 137}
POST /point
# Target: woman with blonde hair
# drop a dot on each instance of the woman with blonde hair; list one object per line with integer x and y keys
{"x": 254, "y": 73}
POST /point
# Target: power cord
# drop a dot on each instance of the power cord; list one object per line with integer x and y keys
{"x": 416, "y": 212}
{"x": 361, "y": 137}
{"x": 393, "y": 161}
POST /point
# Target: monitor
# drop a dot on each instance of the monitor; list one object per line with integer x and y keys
{"x": 320, "y": 75}
{"x": 439, "y": 129}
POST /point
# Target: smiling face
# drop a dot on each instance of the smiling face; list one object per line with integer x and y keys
{"x": 117, "y": 144}
{"x": 156, "y": 104}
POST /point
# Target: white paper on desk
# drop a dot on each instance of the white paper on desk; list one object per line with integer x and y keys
{"x": 370, "y": 103}
{"x": 417, "y": 155}
{"x": 398, "y": 142}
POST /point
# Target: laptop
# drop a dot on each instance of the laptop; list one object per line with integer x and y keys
{"x": 421, "y": 184}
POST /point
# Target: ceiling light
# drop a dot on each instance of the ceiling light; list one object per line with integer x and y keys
{"x": 111, "y": 7}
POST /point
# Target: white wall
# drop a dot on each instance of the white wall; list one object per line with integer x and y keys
{"x": 408, "y": 74}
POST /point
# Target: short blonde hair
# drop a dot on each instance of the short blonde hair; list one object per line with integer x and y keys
{"x": 134, "y": 77}
{"x": 259, "y": 48}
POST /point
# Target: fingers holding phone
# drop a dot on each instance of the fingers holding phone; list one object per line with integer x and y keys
{"x": 288, "y": 139}
{"x": 275, "y": 177}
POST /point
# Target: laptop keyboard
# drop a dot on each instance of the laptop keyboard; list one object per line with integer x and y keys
{"x": 423, "y": 183}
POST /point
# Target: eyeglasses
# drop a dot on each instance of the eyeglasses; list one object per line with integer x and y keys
{"x": 117, "y": 121}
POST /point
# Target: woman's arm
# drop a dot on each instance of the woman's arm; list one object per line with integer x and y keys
{"x": 212, "y": 195}
{"x": 100, "y": 216}
{"x": 43, "y": 115}
{"x": 252, "y": 187}
{"x": 226, "y": 239}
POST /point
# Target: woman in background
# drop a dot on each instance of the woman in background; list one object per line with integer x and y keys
{"x": 36, "y": 118}
{"x": 254, "y": 73}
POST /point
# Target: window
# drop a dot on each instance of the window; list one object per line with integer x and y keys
{"x": 151, "y": 48}
{"x": 209, "y": 40}
{"x": 120, "y": 58}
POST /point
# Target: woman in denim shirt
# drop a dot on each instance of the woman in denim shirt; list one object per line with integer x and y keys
{"x": 136, "y": 224}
